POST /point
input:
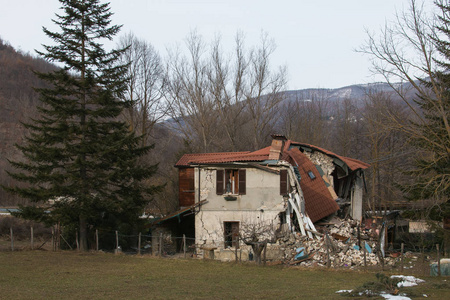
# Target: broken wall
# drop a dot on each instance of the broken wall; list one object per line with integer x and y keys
{"x": 326, "y": 163}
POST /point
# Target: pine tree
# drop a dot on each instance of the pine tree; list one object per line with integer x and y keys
{"x": 81, "y": 160}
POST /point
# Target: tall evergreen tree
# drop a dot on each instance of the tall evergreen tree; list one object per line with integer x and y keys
{"x": 81, "y": 159}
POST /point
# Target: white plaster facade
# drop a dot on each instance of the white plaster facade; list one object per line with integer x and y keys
{"x": 262, "y": 204}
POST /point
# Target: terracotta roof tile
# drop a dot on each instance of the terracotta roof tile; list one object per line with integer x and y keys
{"x": 259, "y": 155}
{"x": 223, "y": 157}
{"x": 187, "y": 159}
{"x": 239, "y": 158}
{"x": 318, "y": 200}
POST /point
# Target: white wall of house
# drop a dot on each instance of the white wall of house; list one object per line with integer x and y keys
{"x": 357, "y": 199}
{"x": 261, "y": 204}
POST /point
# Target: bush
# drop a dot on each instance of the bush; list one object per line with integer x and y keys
{"x": 384, "y": 284}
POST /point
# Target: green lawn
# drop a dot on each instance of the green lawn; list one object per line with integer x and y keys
{"x": 63, "y": 275}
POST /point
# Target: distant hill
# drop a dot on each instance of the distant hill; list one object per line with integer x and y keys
{"x": 18, "y": 102}
{"x": 354, "y": 92}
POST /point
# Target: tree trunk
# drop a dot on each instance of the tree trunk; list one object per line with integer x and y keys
{"x": 83, "y": 234}
{"x": 257, "y": 250}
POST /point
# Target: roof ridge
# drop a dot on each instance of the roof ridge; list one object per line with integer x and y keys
{"x": 215, "y": 153}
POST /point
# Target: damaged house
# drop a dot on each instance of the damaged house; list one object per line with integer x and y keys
{"x": 287, "y": 185}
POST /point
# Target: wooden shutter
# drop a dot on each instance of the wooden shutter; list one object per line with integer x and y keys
{"x": 242, "y": 184}
{"x": 219, "y": 182}
{"x": 186, "y": 194}
{"x": 283, "y": 182}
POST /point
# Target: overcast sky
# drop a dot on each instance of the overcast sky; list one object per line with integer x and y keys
{"x": 316, "y": 40}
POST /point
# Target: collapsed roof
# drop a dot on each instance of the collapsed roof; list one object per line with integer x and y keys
{"x": 320, "y": 199}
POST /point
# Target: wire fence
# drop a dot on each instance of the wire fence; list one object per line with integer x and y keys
{"x": 158, "y": 243}
{"x": 54, "y": 239}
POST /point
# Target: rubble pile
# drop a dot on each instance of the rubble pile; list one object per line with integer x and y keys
{"x": 322, "y": 160}
{"x": 337, "y": 244}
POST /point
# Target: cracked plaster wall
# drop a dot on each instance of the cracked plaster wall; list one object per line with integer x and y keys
{"x": 261, "y": 204}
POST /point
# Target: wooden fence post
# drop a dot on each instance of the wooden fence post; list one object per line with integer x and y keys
{"x": 58, "y": 237}
{"x": 438, "y": 259}
{"x": 160, "y": 244}
{"x": 117, "y": 241}
{"x": 327, "y": 244}
{"x": 184, "y": 245}
{"x": 359, "y": 235}
{"x": 76, "y": 240}
{"x": 401, "y": 257}
{"x": 96, "y": 239}
{"x": 53, "y": 238}
{"x": 32, "y": 237}
{"x": 139, "y": 244}
{"x": 364, "y": 251}
{"x": 12, "y": 238}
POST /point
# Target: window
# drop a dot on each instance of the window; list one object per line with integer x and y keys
{"x": 284, "y": 183}
{"x": 231, "y": 181}
{"x": 231, "y": 234}
{"x": 311, "y": 175}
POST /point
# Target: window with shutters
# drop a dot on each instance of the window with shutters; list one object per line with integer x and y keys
{"x": 231, "y": 181}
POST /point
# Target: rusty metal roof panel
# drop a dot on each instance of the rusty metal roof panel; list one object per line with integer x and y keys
{"x": 318, "y": 201}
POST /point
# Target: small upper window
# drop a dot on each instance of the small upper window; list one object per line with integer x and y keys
{"x": 230, "y": 182}
{"x": 311, "y": 175}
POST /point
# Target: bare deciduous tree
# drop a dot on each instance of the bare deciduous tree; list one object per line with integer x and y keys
{"x": 265, "y": 92}
{"x": 306, "y": 118}
{"x": 257, "y": 235}
{"x": 191, "y": 105}
{"x": 408, "y": 51}
{"x": 386, "y": 148}
{"x": 145, "y": 85}
{"x": 225, "y": 101}
{"x": 227, "y": 83}
{"x": 414, "y": 49}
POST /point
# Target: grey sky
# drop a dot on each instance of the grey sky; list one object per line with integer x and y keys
{"x": 315, "y": 39}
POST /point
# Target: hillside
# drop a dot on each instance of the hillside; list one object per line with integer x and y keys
{"x": 17, "y": 103}
{"x": 357, "y": 92}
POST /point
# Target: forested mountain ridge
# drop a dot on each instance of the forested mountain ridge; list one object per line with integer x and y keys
{"x": 356, "y": 92}
{"x": 335, "y": 119}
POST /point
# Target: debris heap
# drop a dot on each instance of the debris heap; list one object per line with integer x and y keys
{"x": 336, "y": 243}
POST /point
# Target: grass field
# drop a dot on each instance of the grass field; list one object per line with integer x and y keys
{"x": 72, "y": 275}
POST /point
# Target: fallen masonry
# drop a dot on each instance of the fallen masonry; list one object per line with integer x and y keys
{"x": 336, "y": 244}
